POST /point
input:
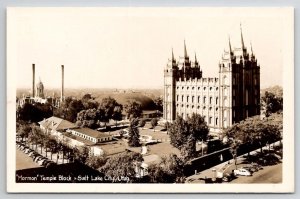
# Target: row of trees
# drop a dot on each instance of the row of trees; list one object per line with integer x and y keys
{"x": 89, "y": 113}
{"x": 254, "y": 131}
{"x": 34, "y": 112}
{"x": 34, "y": 137}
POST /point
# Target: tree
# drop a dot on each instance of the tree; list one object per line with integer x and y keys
{"x": 107, "y": 106}
{"x": 24, "y": 131}
{"x": 142, "y": 122}
{"x": 69, "y": 109}
{"x": 134, "y": 134}
{"x": 272, "y": 103}
{"x": 154, "y": 123}
{"x": 117, "y": 113}
{"x": 81, "y": 154}
{"x": 184, "y": 134}
{"x": 96, "y": 162}
{"x": 169, "y": 170}
{"x": 88, "y": 118}
{"x": 133, "y": 109}
{"x": 34, "y": 112}
{"x": 159, "y": 103}
{"x": 123, "y": 164}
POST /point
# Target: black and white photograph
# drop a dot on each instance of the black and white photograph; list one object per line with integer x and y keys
{"x": 150, "y": 99}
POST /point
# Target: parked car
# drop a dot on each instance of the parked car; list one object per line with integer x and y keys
{"x": 242, "y": 172}
{"x": 227, "y": 177}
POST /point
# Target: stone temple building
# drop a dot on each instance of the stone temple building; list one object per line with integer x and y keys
{"x": 231, "y": 96}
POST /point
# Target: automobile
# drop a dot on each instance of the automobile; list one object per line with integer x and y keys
{"x": 31, "y": 153}
{"x": 49, "y": 164}
{"x": 227, "y": 177}
{"x": 46, "y": 162}
{"x": 242, "y": 172}
{"x": 257, "y": 166}
{"x": 251, "y": 168}
{"x": 38, "y": 158}
{"x": 42, "y": 161}
{"x": 27, "y": 150}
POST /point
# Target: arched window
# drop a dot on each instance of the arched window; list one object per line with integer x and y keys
{"x": 177, "y": 98}
{"x": 217, "y": 100}
{"x": 192, "y": 99}
{"x": 198, "y": 99}
{"x": 216, "y": 121}
{"x": 225, "y": 79}
{"x": 182, "y": 98}
{"x": 187, "y": 98}
{"x": 210, "y": 100}
{"x": 204, "y": 100}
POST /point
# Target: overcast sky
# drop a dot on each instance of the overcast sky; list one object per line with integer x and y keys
{"x": 129, "y": 47}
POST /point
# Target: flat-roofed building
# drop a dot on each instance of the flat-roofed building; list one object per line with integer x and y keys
{"x": 90, "y": 135}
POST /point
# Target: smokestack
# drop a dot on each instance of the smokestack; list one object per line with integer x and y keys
{"x": 62, "y": 83}
{"x": 33, "y": 80}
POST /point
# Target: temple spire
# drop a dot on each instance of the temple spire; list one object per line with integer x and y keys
{"x": 172, "y": 56}
{"x": 230, "y": 50}
{"x": 185, "y": 52}
{"x": 251, "y": 48}
{"x": 242, "y": 39}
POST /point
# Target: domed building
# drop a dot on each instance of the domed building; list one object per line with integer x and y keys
{"x": 40, "y": 90}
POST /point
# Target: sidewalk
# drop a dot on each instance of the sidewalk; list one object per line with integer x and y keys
{"x": 200, "y": 176}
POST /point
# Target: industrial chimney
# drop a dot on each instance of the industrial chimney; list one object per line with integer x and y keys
{"x": 62, "y": 83}
{"x": 33, "y": 80}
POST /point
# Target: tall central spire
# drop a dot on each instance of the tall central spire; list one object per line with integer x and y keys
{"x": 242, "y": 39}
{"x": 185, "y": 52}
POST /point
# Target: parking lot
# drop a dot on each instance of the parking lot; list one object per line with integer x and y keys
{"x": 23, "y": 161}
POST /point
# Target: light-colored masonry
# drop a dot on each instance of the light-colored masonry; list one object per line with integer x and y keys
{"x": 224, "y": 100}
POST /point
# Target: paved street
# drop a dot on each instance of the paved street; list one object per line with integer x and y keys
{"x": 270, "y": 174}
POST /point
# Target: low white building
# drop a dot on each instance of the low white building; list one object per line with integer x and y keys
{"x": 90, "y": 135}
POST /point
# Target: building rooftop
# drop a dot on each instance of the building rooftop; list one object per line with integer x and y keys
{"x": 56, "y": 123}
{"x": 91, "y": 132}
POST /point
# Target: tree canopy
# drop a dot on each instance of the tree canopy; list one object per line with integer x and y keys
{"x": 185, "y": 133}
{"x": 134, "y": 134}
{"x": 122, "y": 164}
{"x": 133, "y": 109}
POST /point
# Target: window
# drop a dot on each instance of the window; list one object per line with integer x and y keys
{"x": 210, "y": 118}
{"x": 193, "y": 88}
{"x": 187, "y": 88}
{"x": 187, "y": 98}
{"x": 177, "y": 97}
{"x": 204, "y": 99}
{"x": 187, "y": 106}
{"x": 198, "y": 99}
{"x": 192, "y": 106}
{"x": 225, "y": 80}
{"x": 210, "y": 100}
{"x": 198, "y": 88}
{"x": 182, "y": 98}
{"x": 192, "y": 99}
{"x": 198, "y": 107}
{"x": 204, "y": 88}
{"x": 217, "y": 88}
{"x": 216, "y": 121}
{"x": 217, "y": 100}
{"x": 210, "y": 88}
